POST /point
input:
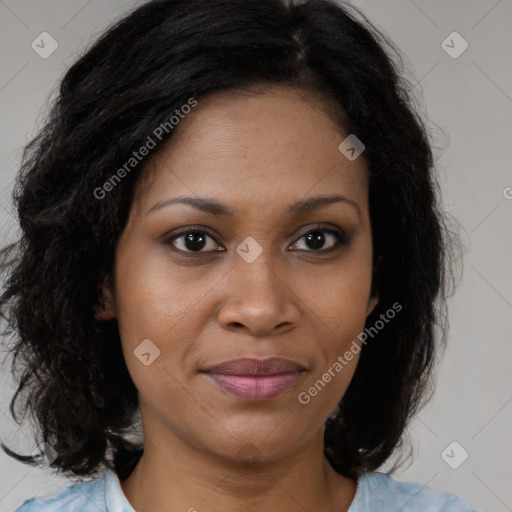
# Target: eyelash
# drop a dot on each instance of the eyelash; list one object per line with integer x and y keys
{"x": 341, "y": 239}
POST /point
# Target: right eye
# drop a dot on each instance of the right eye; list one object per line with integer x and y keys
{"x": 192, "y": 241}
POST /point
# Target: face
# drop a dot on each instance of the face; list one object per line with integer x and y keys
{"x": 256, "y": 269}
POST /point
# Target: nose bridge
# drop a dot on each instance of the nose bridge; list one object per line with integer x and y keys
{"x": 255, "y": 267}
{"x": 258, "y": 297}
{"x": 260, "y": 272}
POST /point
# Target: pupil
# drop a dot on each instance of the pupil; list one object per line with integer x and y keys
{"x": 315, "y": 239}
{"x": 191, "y": 240}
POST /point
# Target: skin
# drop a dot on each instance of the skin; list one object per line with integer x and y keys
{"x": 204, "y": 449}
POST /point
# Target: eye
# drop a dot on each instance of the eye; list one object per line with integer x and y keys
{"x": 316, "y": 238}
{"x": 193, "y": 240}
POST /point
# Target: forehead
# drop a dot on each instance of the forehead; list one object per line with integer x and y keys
{"x": 260, "y": 147}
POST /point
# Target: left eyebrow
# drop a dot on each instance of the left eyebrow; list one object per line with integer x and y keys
{"x": 214, "y": 207}
{"x": 305, "y": 205}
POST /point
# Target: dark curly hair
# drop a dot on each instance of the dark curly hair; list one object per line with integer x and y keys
{"x": 141, "y": 70}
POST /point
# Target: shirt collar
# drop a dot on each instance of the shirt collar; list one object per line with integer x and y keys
{"x": 115, "y": 500}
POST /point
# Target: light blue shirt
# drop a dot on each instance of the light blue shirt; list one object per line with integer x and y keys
{"x": 376, "y": 492}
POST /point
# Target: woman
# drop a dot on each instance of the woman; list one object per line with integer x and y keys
{"x": 230, "y": 226}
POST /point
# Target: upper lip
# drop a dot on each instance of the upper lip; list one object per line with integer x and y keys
{"x": 255, "y": 366}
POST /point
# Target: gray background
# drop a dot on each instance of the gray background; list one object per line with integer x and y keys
{"x": 468, "y": 98}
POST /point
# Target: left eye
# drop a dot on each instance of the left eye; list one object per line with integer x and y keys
{"x": 316, "y": 238}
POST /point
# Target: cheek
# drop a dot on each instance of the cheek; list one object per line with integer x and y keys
{"x": 340, "y": 305}
{"x": 341, "y": 296}
{"x": 152, "y": 297}
{"x": 341, "y": 313}
{"x": 160, "y": 314}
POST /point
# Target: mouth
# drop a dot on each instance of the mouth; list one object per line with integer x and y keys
{"x": 256, "y": 380}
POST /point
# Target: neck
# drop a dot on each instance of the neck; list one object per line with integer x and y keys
{"x": 177, "y": 476}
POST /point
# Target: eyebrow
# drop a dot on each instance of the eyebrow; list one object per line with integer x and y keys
{"x": 214, "y": 207}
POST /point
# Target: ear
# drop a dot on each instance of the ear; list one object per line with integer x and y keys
{"x": 105, "y": 308}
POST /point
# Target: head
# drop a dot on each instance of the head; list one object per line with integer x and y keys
{"x": 250, "y": 125}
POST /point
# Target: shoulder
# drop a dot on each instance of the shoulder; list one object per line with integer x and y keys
{"x": 382, "y": 492}
{"x": 79, "y": 497}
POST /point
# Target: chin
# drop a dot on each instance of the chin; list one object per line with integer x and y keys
{"x": 252, "y": 446}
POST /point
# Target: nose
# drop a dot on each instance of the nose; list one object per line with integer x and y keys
{"x": 259, "y": 299}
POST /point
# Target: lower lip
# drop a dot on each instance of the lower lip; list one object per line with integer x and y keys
{"x": 256, "y": 387}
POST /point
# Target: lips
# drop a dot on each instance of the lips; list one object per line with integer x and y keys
{"x": 251, "y": 366}
{"x": 256, "y": 379}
